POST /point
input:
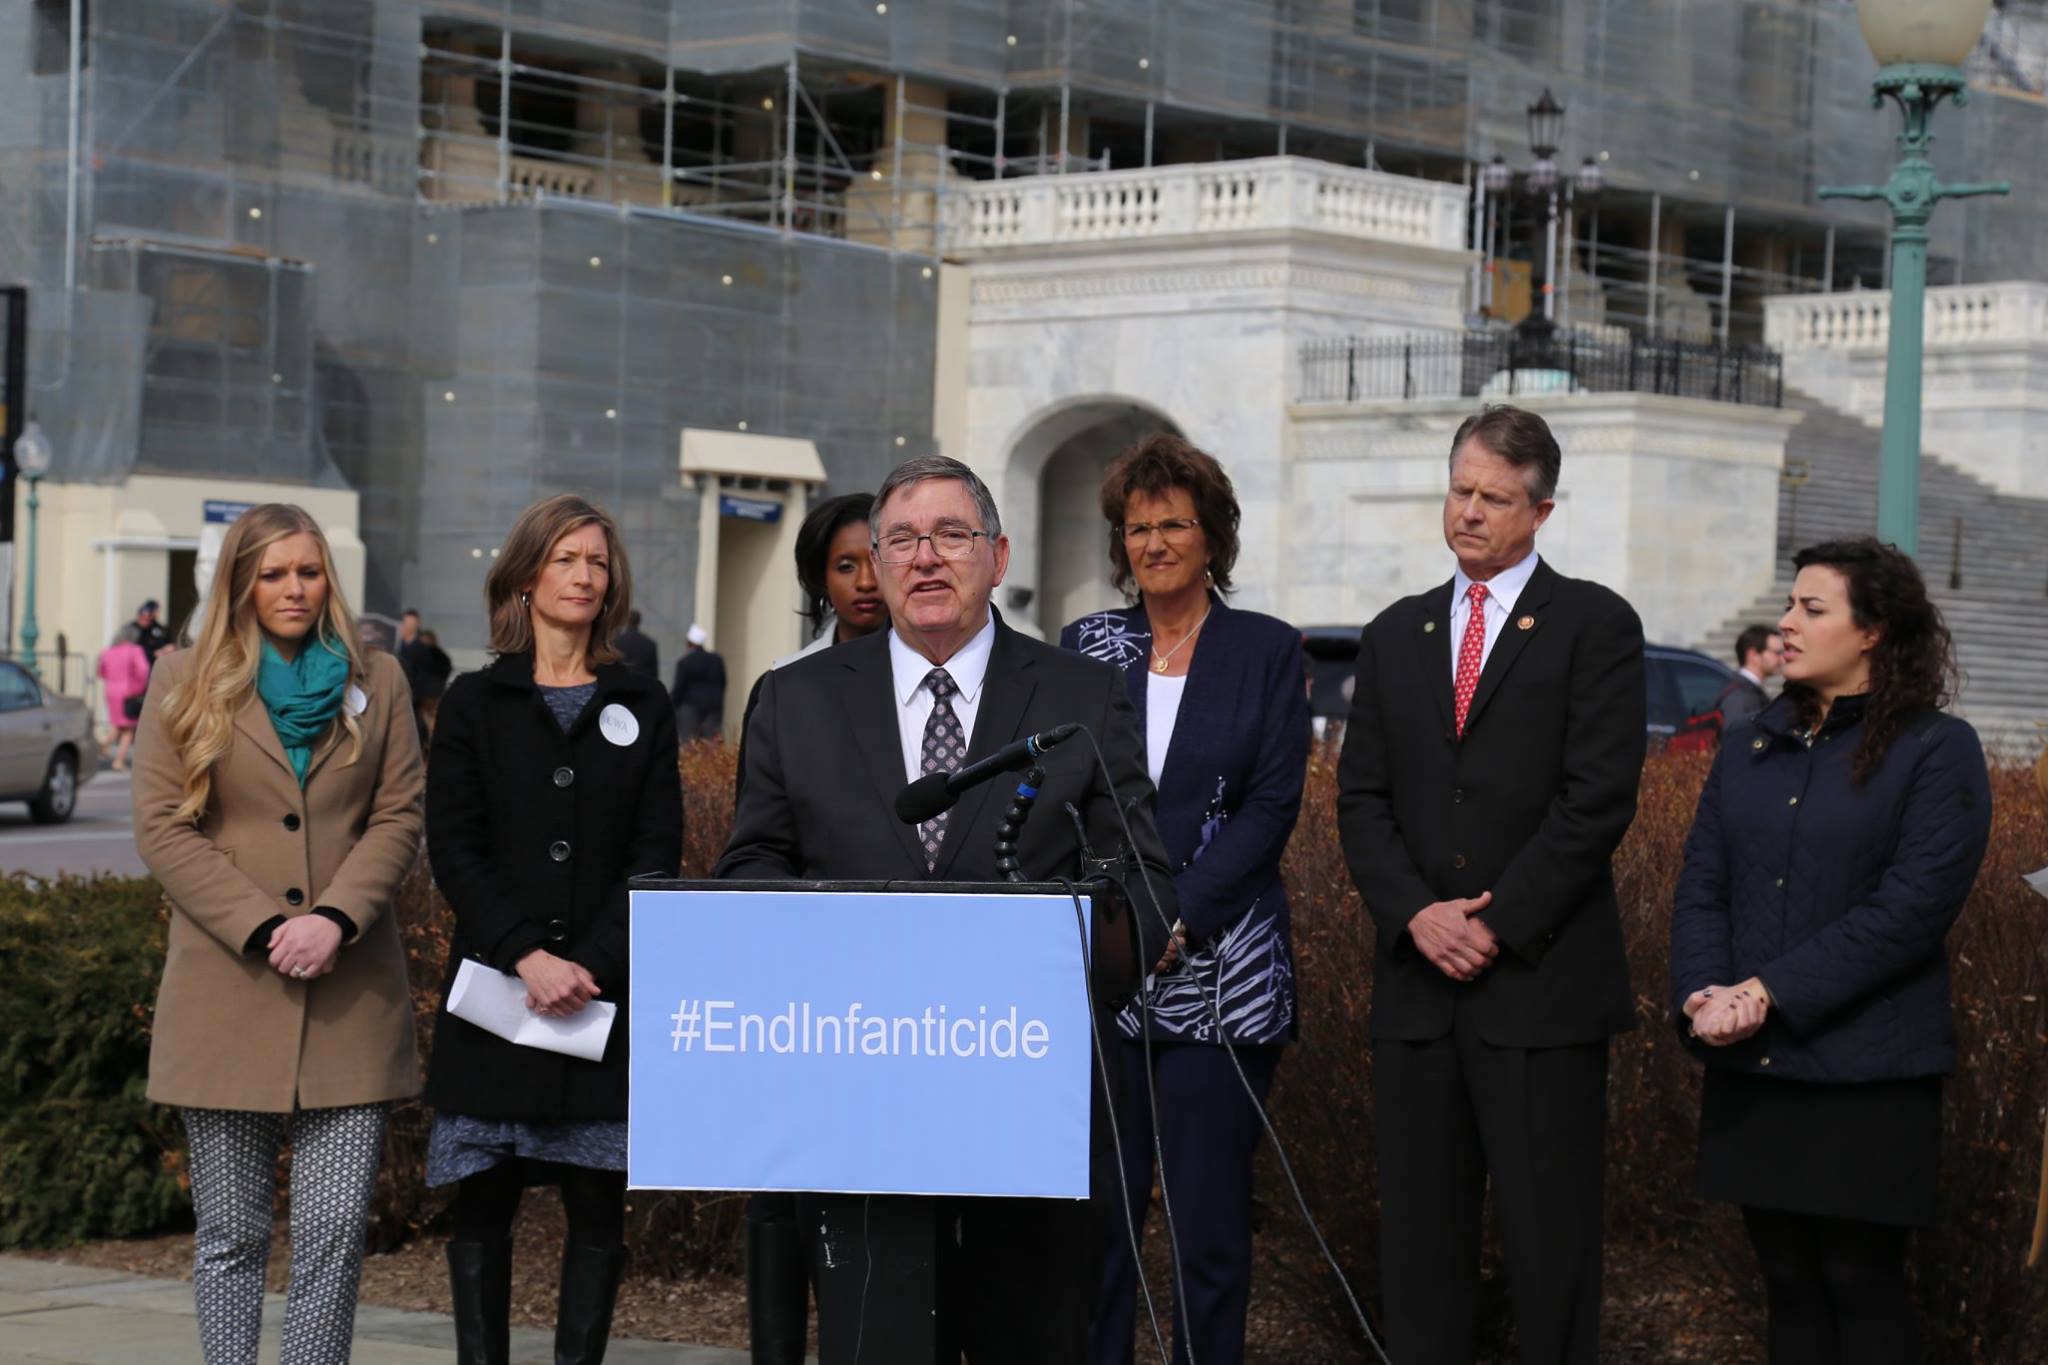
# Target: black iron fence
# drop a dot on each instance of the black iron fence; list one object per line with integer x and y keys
{"x": 1508, "y": 364}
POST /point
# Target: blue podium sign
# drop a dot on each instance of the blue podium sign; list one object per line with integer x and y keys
{"x": 860, "y": 1042}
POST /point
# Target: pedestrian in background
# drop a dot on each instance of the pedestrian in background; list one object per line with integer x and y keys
{"x": 150, "y": 632}
{"x": 1836, "y": 840}
{"x": 1222, "y": 701}
{"x": 1759, "y": 656}
{"x": 124, "y": 677}
{"x": 638, "y": 650}
{"x": 553, "y": 781}
{"x": 277, "y": 798}
{"x": 698, "y": 691}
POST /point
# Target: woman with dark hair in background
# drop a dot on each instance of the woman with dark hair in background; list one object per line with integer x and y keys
{"x": 1222, "y": 701}
{"x": 1836, "y": 840}
{"x": 842, "y": 602}
{"x": 553, "y": 781}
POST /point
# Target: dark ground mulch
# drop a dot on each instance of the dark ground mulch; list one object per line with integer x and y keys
{"x": 1655, "y": 1315}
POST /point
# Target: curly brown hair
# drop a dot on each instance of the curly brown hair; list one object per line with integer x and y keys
{"x": 1153, "y": 465}
{"x": 1913, "y": 665}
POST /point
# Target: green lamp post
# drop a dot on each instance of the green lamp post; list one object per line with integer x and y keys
{"x": 1919, "y": 46}
{"x": 32, "y": 461}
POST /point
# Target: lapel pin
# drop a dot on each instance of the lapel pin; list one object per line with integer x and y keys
{"x": 1526, "y": 623}
{"x": 1428, "y": 626}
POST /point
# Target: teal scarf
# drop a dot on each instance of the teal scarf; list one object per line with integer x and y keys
{"x": 302, "y": 696}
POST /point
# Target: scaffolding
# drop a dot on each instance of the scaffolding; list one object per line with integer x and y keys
{"x": 302, "y": 225}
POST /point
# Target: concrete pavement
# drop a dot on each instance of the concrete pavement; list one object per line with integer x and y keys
{"x": 99, "y": 837}
{"x": 54, "y": 1312}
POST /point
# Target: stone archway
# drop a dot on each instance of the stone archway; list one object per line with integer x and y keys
{"x": 1050, "y": 498}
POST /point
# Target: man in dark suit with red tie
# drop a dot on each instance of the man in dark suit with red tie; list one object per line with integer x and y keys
{"x": 1489, "y": 770}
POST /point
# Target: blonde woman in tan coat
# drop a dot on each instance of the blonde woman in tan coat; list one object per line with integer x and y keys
{"x": 277, "y": 798}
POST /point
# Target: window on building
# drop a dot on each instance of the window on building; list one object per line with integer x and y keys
{"x": 51, "y": 42}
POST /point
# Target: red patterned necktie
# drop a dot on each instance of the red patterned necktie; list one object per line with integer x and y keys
{"x": 1471, "y": 653}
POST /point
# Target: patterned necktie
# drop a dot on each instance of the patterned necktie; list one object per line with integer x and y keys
{"x": 1471, "y": 653}
{"x": 945, "y": 748}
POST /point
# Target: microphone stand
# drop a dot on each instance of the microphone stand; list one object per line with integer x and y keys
{"x": 1013, "y": 823}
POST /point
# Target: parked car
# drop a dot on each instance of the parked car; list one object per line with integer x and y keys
{"x": 1680, "y": 682}
{"x": 47, "y": 749}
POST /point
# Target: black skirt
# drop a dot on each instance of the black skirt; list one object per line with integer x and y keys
{"x": 1870, "y": 1152}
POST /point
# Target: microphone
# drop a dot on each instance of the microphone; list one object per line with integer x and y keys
{"x": 935, "y": 793}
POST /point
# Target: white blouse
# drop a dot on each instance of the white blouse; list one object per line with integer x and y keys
{"x": 1162, "y": 708}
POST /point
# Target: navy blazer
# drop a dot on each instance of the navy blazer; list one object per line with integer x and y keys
{"x": 1229, "y": 795}
{"x": 1836, "y": 895}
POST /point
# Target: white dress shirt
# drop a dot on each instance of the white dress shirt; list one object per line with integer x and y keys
{"x": 968, "y": 668}
{"x": 1751, "y": 676}
{"x": 1501, "y": 591}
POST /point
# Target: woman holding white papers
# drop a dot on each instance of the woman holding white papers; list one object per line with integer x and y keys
{"x": 277, "y": 798}
{"x": 553, "y": 780}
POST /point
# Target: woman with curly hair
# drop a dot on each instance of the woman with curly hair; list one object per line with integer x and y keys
{"x": 1835, "y": 842}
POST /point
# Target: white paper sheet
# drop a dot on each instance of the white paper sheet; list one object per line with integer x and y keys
{"x": 496, "y": 1003}
{"x": 2039, "y": 881}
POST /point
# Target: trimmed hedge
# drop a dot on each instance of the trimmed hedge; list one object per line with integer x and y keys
{"x": 1980, "y": 1302}
{"x": 82, "y": 1153}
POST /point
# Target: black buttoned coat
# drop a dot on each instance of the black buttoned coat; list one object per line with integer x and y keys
{"x": 532, "y": 834}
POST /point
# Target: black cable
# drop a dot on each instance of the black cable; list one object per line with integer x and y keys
{"x": 1209, "y": 997}
{"x": 1116, "y": 1138}
{"x": 1180, "y": 1287}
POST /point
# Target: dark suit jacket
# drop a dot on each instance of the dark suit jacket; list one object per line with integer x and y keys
{"x": 638, "y": 651}
{"x": 1229, "y": 794}
{"x": 699, "y": 682}
{"x": 1740, "y": 700}
{"x": 1530, "y": 804}
{"x": 825, "y": 762}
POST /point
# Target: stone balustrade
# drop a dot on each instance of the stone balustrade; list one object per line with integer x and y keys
{"x": 1983, "y": 370}
{"x": 2011, "y": 311}
{"x": 1181, "y": 201}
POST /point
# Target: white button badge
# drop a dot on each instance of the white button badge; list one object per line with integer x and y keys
{"x": 618, "y": 725}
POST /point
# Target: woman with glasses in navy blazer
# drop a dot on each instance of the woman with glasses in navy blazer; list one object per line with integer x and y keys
{"x": 1222, "y": 700}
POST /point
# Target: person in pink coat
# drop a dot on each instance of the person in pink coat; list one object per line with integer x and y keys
{"x": 124, "y": 677}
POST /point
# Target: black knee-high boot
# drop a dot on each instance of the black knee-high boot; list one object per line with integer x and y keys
{"x": 480, "y": 1274}
{"x": 590, "y": 1287}
{"x": 778, "y": 1291}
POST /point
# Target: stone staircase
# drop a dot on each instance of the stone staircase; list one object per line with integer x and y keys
{"x": 1985, "y": 555}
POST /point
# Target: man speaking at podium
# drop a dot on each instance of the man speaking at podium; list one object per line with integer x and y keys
{"x": 835, "y": 738}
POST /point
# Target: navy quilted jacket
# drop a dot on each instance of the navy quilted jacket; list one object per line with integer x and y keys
{"x": 1837, "y": 896}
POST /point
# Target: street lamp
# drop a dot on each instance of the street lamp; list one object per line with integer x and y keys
{"x": 1919, "y": 45}
{"x": 1546, "y": 118}
{"x": 32, "y": 461}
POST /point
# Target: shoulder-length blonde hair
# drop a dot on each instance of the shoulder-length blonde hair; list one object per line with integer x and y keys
{"x": 517, "y": 568}
{"x": 229, "y": 645}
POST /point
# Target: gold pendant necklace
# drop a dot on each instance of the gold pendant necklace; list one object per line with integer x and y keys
{"x": 1160, "y": 661}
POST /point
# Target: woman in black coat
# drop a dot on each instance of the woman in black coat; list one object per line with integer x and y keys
{"x": 552, "y": 781}
{"x": 1835, "y": 843}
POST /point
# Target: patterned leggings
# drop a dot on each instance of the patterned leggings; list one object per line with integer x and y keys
{"x": 335, "y": 1153}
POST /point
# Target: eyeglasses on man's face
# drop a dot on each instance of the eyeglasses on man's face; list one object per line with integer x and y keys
{"x": 1174, "y": 530}
{"x": 948, "y": 542}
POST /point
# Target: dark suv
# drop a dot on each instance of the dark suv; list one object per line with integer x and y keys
{"x": 1680, "y": 682}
